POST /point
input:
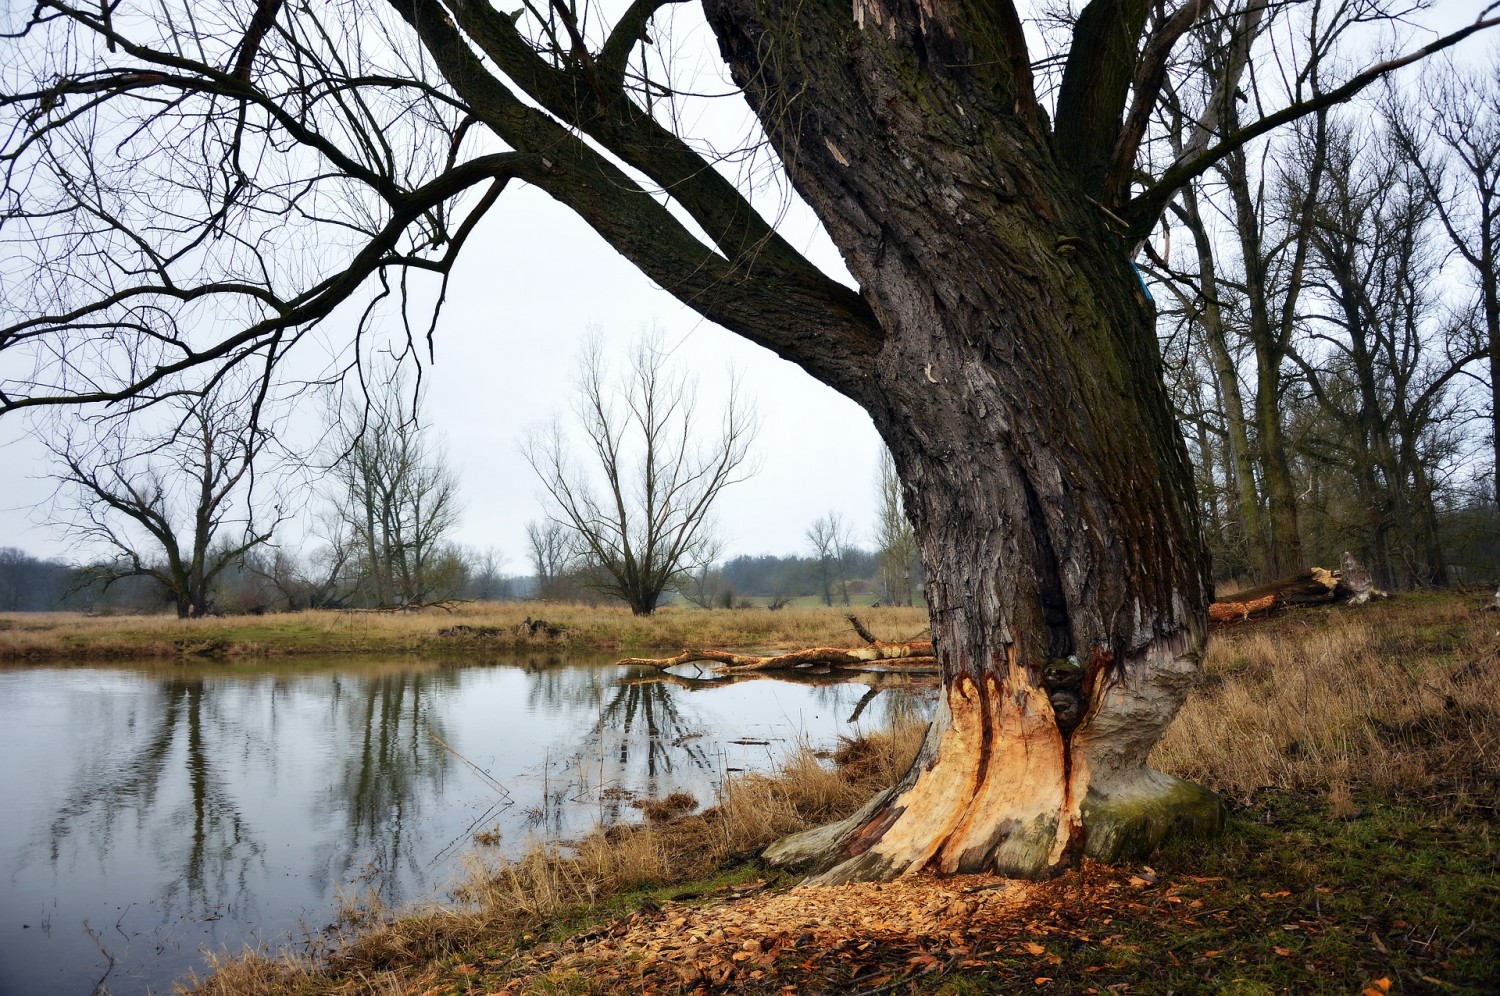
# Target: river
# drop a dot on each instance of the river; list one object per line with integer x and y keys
{"x": 152, "y": 813}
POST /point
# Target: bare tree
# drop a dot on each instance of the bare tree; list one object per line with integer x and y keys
{"x": 487, "y": 580}
{"x": 1453, "y": 138}
{"x": 831, "y": 540}
{"x": 327, "y": 569}
{"x": 895, "y": 542}
{"x": 177, "y": 505}
{"x": 644, "y": 521}
{"x": 1378, "y": 355}
{"x": 999, "y": 336}
{"x": 550, "y": 547}
{"x": 705, "y": 586}
{"x": 397, "y": 496}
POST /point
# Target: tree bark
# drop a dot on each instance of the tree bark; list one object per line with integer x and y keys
{"x": 1018, "y": 388}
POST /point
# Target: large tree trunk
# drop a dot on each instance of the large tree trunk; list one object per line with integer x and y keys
{"x": 1018, "y": 388}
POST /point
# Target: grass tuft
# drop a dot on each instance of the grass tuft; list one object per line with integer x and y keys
{"x": 1395, "y": 697}
{"x": 554, "y": 889}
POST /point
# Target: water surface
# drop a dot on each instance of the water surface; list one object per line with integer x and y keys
{"x": 151, "y": 813}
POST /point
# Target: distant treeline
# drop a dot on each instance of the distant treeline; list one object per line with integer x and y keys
{"x": 1471, "y": 538}
{"x": 767, "y": 574}
{"x": 254, "y": 585}
{"x": 270, "y": 584}
{"x": 31, "y": 585}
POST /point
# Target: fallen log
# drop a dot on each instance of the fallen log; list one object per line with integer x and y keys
{"x": 1312, "y": 586}
{"x": 1240, "y": 611}
{"x": 909, "y": 656}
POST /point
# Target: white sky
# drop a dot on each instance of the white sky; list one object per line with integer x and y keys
{"x": 507, "y": 359}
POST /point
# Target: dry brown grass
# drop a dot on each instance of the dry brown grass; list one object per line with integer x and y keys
{"x": 755, "y": 810}
{"x": 471, "y": 627}
{"x": 551, "y": 883}
{"x": 1397, "y": 697}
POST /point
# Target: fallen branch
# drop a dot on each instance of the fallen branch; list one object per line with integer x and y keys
{"x": 912, "y": 656}
{"x": 1313, "y": 586}
{"x": 905, "y": 656}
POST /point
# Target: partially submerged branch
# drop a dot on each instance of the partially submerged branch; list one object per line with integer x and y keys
{"x": 912, "y": 656}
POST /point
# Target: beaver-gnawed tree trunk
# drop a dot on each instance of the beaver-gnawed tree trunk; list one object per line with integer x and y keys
{"x": 1018, "y": 387}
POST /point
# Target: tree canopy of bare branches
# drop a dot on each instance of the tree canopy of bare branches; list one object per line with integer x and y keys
{"x": 895, "y": 543}
{"x": 177, "y": 504}
{"x": 200, "y": 184}
{"x": 641, "y": 510}
{"x": 397, "y": 496}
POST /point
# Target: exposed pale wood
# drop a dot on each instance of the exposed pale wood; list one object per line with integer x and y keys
{"x": 1239, "y": 611}
{"x": 997, "y": 761}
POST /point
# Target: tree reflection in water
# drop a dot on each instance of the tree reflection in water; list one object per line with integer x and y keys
{"x": 392, "y": 732}
{"x": 642, "y": 719}
{"x": 643, "y": 743}
{"x": 207, "y": 866}
{"x": 638, "y": 744}
{"x": 233, "y": 801}
{"x": 180, "y": 783}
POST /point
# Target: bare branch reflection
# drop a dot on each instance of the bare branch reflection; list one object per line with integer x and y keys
{"x": 387, "y": 723}
{"x": 169, "y": 778}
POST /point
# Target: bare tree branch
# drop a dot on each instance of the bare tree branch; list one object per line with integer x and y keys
{"x": 1143, "y": 209}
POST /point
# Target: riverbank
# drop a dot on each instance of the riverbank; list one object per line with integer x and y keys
{"x": 468, "y": 629}
{"x": 1360, "y": 752}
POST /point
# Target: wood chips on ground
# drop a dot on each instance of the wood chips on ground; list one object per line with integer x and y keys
{"x": 1095, "y": 930}
{"x": 865, "y": 934}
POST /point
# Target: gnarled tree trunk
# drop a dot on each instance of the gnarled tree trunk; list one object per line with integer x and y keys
{"x": 1018, "y": 388}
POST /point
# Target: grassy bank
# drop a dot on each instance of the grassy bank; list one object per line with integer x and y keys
{"x": 487, "y": 627}
{"x": 1360, "y": 752}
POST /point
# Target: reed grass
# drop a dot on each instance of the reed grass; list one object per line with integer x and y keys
{"x": 1397, "y": 697}
{"x": 556, "y": 886}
